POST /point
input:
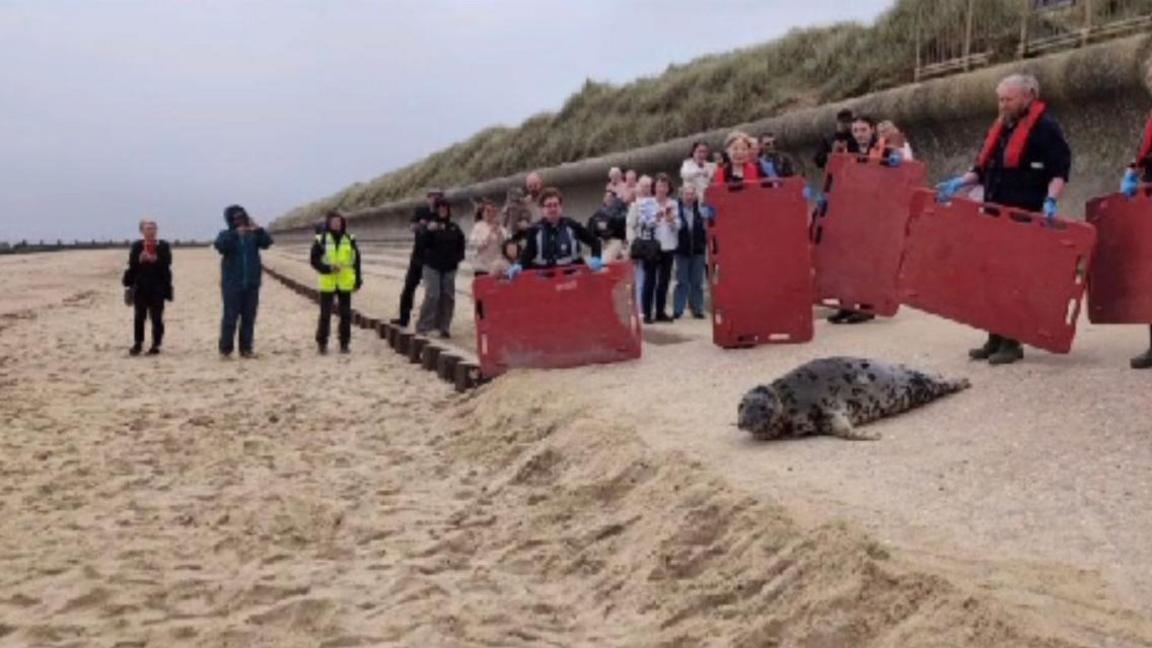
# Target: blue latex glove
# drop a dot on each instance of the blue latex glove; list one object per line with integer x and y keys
{"x": 595, "y": 264}
{"x": 1050, "y": 208}
{"x": 895, "y": 160}
{"x": 707, "y": 212}
{"x": 1130, "y": 183}
{"x": 814, "y": 196}
{"x": 514, "y": 270}
{"x": 947, "y": 189}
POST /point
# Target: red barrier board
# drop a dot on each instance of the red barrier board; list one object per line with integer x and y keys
{"x": 1120, "y": 278}
{"x": 997, "y": 268}
{"x": 760, "y": 264}
{"x": 858, "y": 239}
{"x": 555, "y": 319}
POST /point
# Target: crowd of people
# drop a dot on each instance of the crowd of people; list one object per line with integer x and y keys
{"x": 653, "y": 222}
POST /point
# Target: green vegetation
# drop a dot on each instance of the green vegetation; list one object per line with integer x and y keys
{"x": 805, "y": 68}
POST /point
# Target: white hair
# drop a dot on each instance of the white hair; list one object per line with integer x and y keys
{"x": 1025, "y": 82}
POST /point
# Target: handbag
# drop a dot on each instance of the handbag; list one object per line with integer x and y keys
{"x": 645, "y": 250}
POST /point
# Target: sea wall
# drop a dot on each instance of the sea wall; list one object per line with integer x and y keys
{"x": 1098, "y": 93}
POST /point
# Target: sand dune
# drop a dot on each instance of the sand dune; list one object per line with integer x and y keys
{"x": 296, "y": 500}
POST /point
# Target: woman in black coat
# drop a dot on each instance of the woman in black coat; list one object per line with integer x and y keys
{"x": 149, "y": 280}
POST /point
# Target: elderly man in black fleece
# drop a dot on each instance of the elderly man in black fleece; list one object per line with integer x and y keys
{"x": 337, "y": 259}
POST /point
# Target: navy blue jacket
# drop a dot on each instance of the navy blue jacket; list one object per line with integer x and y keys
{"x": 694, "y": 239}
{"x": 240, "y": 257}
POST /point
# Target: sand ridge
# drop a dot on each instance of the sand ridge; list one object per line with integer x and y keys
{"x": 352, "y": 501}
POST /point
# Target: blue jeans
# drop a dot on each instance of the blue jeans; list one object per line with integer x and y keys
{"x": 239, "y": 304}
{"x": 689, "y": 284}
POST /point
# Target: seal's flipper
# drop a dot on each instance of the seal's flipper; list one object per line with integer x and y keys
{"x": 838, "y": 425}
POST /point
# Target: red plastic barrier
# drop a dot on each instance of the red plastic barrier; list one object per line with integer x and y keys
{"x": 760, "y": 264}
{"x": 553, "y": 319}
{"x": 858, "y": 240}
{"x": 997, "y": 268}
{"x": 1120, "y": 279}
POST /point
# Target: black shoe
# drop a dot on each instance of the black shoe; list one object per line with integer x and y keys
{"x": 839, "y": 317}
{"x": 663, "y": 318}
{"x": 322, "y": 348}
{"x": 859, "y": 317}
{"x": 699, "y": 315}
{"x": 1008, "y": 353}
{"x": 990, "y": 347}
{"x": 248, "y": 354}
{"x": 344, "y": 349}
{"x": 444, "y": 335}
{"x": 647, "y": 320}
{"x": 399, "y": 321}
{"x": 135, "y": 350}
{"x": 1142, "y": 361}
{"x": 225, "y": 355}
{"x": 155, "y": 350}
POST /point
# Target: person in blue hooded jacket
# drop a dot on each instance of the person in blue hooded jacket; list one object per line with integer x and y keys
{"x": 239, "y": 247}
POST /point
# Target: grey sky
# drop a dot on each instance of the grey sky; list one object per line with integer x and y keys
{"x": 113, "y": 110}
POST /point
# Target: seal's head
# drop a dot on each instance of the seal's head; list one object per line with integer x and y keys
{"x": 761, "y": 413}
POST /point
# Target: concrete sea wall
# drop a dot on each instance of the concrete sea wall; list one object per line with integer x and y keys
{"x": 1099, "y": 94}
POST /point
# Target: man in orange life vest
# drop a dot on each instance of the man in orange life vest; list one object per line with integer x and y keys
{"x": 1024, "y": 163}
{"x": 1140, "y": 171}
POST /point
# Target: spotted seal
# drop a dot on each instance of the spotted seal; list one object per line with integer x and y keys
{"x": 833, "y": 395}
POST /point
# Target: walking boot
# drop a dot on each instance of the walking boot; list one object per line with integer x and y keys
{"x": 840, "y": 316}
{"x": 990, "y": 347}
{"x": 344, "y": 349}
{"x": 154, "y": 350}
{"x": 1142, "y": 361}
{"x": 1010, "y": 351}
{"x": 135, "y": 350}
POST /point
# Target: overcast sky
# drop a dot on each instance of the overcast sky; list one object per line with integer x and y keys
{"x": 113, "y": 110}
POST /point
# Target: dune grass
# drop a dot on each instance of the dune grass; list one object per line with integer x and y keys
{"x": 806, "y": 67}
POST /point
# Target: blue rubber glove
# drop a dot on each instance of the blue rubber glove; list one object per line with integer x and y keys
{"x": 514, "y": 270}
{"x": 947, "y": 189}
{"x": 1130, "y": 183}
{"x": 815, "y": 196}
{"x": 595, "y": 264}
{"x": 1050, "y": 208}
{"x": 895, "y": 160}
{"x": 707, "y": 212}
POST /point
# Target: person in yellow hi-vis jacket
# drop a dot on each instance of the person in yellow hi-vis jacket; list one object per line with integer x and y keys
{"x": 337, "y": 259}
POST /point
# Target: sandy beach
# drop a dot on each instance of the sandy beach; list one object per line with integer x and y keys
{"x": 296, "y": 500}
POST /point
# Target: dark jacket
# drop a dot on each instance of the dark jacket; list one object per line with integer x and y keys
{"x": 781, "y": 162}
{"x": 317, "y": 256}
{"x": 423, "y": 213}
{"x": 554, "y": 243}
{"x": 152, "y": 279}
{"x": 694, "y": 237}
{"x": 1046, "y": 156}
{"x": 240, "y": 256}
{"x": 442, "y": 248}
{"x": 609, "y": 222}
{"x": 828, "y": 144}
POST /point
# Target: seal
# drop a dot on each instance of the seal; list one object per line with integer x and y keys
{"x": 834, "y": 395}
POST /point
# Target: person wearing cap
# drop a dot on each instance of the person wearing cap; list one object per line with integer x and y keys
{"x": 337, "y": 259}
{"x": 149, "y": 275}
{"x": 1024, "y": 163}
{"x": 240, "y": 271}
{"x": 840, "y": 141}
{"x": 423, "y": 215}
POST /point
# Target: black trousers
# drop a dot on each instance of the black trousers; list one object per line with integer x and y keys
{"x": 657, "y": 278}
{"x": 411, "y": 281}
{"x": 323, "y": 329}
{"x": 149, "y": 308}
